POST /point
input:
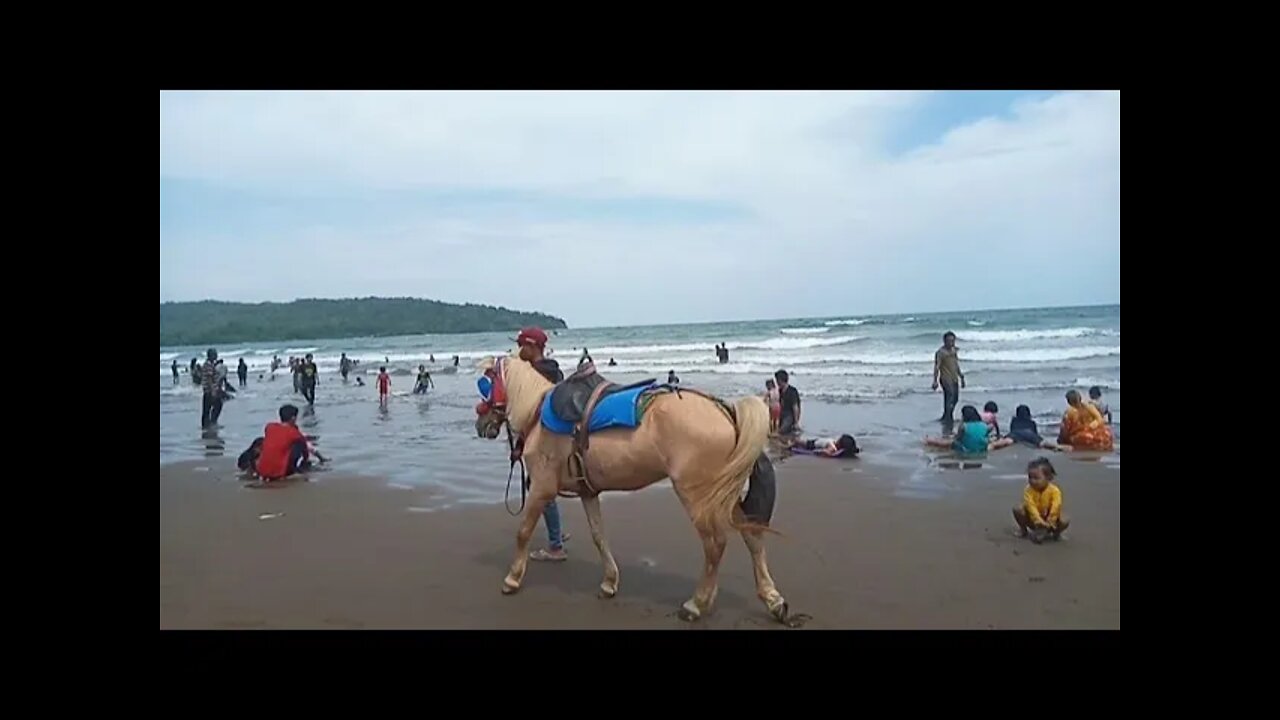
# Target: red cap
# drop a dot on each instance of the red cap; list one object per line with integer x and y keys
{"x": 532, "y": 336}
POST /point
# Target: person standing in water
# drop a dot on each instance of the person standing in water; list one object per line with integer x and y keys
{"x": 243, "y": 371}
{"x": 344, "y": 367}
{"x": 213, "y": 375}
{"x": 946, "y": 373}
{"x": 195, "y": 372}
{"x": 424, "y": 381}
{"x": 310, "y": 375}
{"x": 384, "y": 386}
{"x": 174, "y": 368}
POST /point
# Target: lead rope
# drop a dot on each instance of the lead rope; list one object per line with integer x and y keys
{"x": 517, "y": 456}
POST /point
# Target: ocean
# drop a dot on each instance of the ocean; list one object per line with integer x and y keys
{"x": 866, "y": 375}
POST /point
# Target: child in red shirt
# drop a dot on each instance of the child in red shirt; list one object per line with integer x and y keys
{"x": 284, "y": 448}
{"x": 384, "y": 385}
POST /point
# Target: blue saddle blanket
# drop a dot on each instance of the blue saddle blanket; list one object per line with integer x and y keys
{"x": 613, "y": 411}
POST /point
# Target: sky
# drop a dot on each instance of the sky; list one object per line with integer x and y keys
{"x": 630, "y": 208}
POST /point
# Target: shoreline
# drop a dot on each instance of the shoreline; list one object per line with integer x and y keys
{"x": 864, "y": 546}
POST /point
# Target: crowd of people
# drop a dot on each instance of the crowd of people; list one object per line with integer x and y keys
{"x": 283, "y": 451}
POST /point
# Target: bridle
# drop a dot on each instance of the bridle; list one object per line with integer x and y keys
{"x": 496, "y": 409}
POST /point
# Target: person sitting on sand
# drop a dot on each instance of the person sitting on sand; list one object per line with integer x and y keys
{"x": 990, "y": 416}
{"x": 1095, "y": 399}
{"x": 1040, "y": 513}
{"x": 972, "y": 437}
{"x": 248, "y": 460}
{"x": 1022, "y": 428}
{"x": 1083, "y": 427}
{"x": 284, "y": 448}
{"x": 843, "y": 446}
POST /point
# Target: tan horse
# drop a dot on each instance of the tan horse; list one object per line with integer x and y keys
{"x": 688, "y": 438}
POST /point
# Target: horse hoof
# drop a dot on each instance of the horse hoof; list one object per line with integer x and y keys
{"x": 689, "y": 612}
{"x": 791, "y": 620}
{"x": 606, "y": 593}
{"x": 509, "y": 587}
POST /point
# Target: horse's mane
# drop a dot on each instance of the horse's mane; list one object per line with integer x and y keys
{"x": 525, "y": 390}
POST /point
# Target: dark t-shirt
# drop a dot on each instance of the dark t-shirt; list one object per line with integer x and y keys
{"x": 1024, "y": 430}
{"x": 790, "y": 402}
{"x": 549, "y": 369}
{"x": 309, "y": 372}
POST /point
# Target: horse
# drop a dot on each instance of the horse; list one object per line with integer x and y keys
{"x": 706, "y": 447}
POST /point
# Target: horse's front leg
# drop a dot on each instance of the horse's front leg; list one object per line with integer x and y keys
{"x": 532, "y": 511}
{"x": 609, "y": 587}
{"x": 541, "y": 492}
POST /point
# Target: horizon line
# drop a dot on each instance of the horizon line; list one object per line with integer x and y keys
{"x": 679, "y": 324}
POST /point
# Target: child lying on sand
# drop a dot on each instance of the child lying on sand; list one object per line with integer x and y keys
{"x": 843, "y": 446}
{"x": 1040, "y": 514}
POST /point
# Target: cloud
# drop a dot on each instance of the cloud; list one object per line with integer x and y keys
{"x": 635, "y": 207}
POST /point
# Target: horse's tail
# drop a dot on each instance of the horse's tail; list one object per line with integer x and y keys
{"x": 718, "y": 505}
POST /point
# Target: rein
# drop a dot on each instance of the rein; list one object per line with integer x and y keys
{"x": 517, "y": 457}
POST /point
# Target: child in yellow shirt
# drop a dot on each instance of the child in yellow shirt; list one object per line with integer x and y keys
{"x": 1040, "y": 514}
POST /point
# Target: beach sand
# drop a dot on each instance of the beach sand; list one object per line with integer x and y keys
{"x": 865, "y": 547}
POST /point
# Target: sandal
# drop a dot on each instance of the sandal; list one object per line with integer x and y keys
{"x": 547, "y": 556}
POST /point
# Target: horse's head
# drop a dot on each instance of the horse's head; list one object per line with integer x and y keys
{"x": 491, "y": 411}
{"x": 488, "y": 421}
{"x": 515, "y": 390}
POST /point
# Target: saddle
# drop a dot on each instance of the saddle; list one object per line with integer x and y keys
{"x": 574, "y": 401}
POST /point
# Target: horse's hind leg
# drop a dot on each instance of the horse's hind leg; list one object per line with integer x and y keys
{"x": 713, "y": 544}
{"x": 765, "y": 588}
{"x": 609, "y": 587}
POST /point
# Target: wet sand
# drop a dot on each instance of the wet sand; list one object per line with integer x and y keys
{"x": 865, "y": 547}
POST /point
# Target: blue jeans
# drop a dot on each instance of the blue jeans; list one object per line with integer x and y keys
{"x": 551, "y": 516}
